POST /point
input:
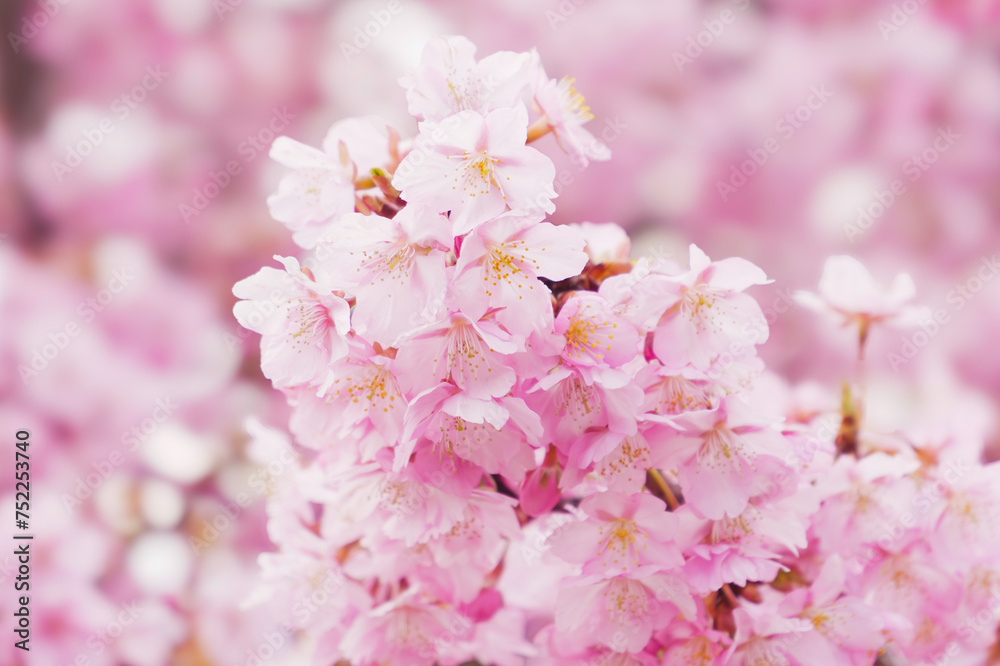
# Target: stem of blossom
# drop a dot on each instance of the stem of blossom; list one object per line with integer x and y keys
{"x": 859, "y": 405}
{"x": 538, "y": 129}
{"x": 383, "y": 180}
{"x": 847, "y": 436}
{"x": 662, "y": 489}
{"x": 730, "y": 596}
{"x": 887, "y": 658}
{"x": 361, "y": 206}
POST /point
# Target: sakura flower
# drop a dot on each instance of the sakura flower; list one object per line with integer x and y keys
{"x": 848, "y": 631}
{"x": 675, "y": 392}
{"x": 363, "y": 390}
{"x": 622, "y": 612}
{"x": 554, "y": 653}
{"x": 849, "y": 293}
{"x": 564, "y": 113}
{"x": 764, "y": 637}
{"x": 570, "y": 406}
{"x": 606, "y": 242}
{"x": 620, "y": 534}
{"x": 742, "y": 549}
{"x": 863, "y": 502}
{"x": 322, "y": 184}
{"x": 541, "y": 489}
{"x": 366, "y": 501}
{"x": 703, "y": 648}
{"x": 965, "y": 525}
{"x": 706, "y": 312}
{"x": 303, "y": 325}
{"x": 449, "y": 80}
{"x": 406, "y": 630}
{"x": 476, "y": 167}
{"x": 909, "y": 584}
{"x": 395, "y": 269}
{"x": 719, "y": 453}
{"x": 497, "y": 435}
{"x": 596, "y": 340}
{"x": 499, "y": 267}
{"x": 494, "y": 406}
{"x": 498, "y": 639}
{"x": 458, "y": 349}
{"x": 623, "y": 469}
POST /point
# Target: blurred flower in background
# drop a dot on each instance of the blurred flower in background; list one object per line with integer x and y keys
{"x": 134, "y": 139}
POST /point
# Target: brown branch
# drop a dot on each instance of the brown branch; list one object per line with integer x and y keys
{"x": 659, "y": 487}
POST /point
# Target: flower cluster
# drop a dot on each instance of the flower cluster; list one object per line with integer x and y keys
{"x": 517, "y": 446}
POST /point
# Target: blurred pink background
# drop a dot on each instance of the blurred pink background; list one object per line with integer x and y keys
{"x": 133, "y": 149}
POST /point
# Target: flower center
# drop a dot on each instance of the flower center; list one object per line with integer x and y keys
{"x": 574, "y": 101}
{"x": 313, "y": 321}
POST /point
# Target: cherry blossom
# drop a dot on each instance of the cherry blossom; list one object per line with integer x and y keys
{"x": 621, "y": 534}
{"x": 500, "y": 264}
{"x": 707, "y": 312}
{"x": 449, "y": 80}
{"x": 477, "y": 167}
{"x": 303, "y": 329}
{"x": 394, "y": 268}
{"x": 322, "y": 185}
{"x": 517, "y": 446}
{"x": 564, "y": 112}
{"x": 719, "y": 454}
{"x": 849, "y": 293}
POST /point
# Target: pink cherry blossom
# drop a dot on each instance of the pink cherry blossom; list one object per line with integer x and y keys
{"x": 498, "y": 435}
{"x": 596, "y": 339}
{"x": 521, "y": 447}
{"x": 469, "y": 353}
{"x": 606, "y": 242}
{"x": 302, "y": 324}
{"x": 322, "y": 184}
{"x": 394, "y": 268}
{"x": 565, "y": 112}
{"x": 849, "y": 293}
{"x": 500, "y": 264}
{"x": 476, "y": 167}
{"x": 707, "y": 313}
{"x": 620, "y": 612}
{"x": 718, "y": 453}
{"x": 620, "y": 534}
{"x": 449, "y": 80}
{"x": 363, "y": 390}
